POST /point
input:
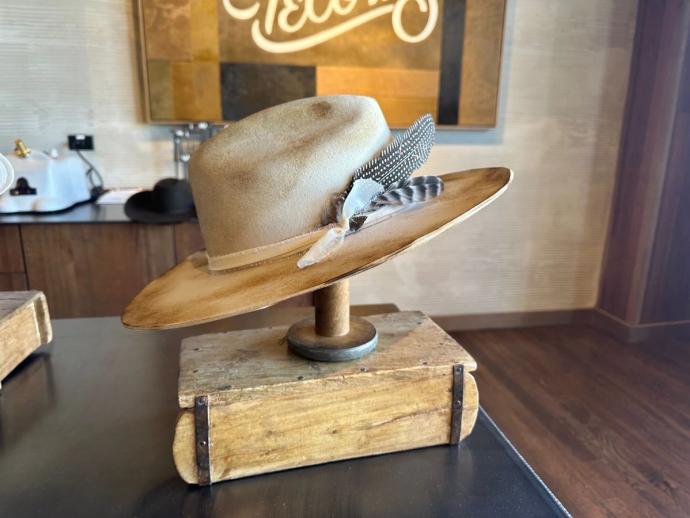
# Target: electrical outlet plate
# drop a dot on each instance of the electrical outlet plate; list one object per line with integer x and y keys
{"x": 80, "y": 142}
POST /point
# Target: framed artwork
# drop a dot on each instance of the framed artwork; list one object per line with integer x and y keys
{"x": 221, "y": 60}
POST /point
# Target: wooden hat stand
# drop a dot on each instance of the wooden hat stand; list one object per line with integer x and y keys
{"x": 24, "y": 327}
{"x": 332, "y": 335}
{"x": 327, "y": 388}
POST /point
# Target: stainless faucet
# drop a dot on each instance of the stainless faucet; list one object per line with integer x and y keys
{"x": 186, "y": 140}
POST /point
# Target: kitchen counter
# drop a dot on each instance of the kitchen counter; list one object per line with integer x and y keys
{"x": 86, "y": 213}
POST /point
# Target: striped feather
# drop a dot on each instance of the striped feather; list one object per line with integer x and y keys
{"x": 414, "y": 190}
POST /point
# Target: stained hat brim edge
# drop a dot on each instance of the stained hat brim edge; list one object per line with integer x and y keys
{"x": 190, "y": 294}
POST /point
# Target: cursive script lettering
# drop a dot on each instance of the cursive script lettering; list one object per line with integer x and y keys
{"x": 292, "y": 16}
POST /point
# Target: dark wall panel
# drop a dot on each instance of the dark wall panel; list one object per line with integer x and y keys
{"x": 247, "y": 88}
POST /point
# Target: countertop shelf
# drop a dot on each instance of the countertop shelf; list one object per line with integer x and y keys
{"x": 86, "y": 213}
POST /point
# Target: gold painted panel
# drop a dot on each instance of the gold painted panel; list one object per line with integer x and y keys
{"x": 223, "y": 59}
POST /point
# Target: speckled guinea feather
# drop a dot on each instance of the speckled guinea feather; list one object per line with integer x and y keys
{"x": 401, "y": 157}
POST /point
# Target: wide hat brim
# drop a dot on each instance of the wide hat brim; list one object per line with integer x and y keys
{"x": 139, "y": 207}
{"x": 190, "y": 294}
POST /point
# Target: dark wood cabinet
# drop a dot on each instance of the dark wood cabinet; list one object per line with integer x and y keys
{"x": 94, "y": 269}
{"x": 89, "y": 270}
{"x": 12, "y": 274}
{"x": 13, "y": 282}
{"x": 188, "y": 239}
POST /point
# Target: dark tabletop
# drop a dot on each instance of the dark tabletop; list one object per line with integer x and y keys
{"x": 84, "y": 213}
{"x": 86, "y": 428}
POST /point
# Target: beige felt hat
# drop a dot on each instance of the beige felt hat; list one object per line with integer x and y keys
{"x": 302, "y": 195}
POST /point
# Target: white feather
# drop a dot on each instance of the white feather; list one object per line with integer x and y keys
{"x": 329, "y": 243}
{"x": 358, "y": 199}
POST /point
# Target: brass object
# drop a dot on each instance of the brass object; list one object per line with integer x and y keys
{"x": 21, "y": 149}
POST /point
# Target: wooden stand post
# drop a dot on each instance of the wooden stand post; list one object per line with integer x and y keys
{"x": 332, "y": 335}
{"x": 332, "y": 309}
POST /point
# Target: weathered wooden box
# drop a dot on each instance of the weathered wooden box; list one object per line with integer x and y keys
{"x": 249, "y": 406}
{"x": 24, "y": 326}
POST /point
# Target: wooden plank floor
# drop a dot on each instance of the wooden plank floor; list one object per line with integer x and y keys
{"x": 605, "y": 424}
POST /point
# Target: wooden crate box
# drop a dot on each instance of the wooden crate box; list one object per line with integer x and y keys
{"x": 249, "y": 406}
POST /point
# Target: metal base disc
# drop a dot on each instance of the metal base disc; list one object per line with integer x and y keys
{"x": 360, "y": 341}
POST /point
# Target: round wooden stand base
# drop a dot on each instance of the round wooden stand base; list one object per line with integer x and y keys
{"x": 360, "y": 340}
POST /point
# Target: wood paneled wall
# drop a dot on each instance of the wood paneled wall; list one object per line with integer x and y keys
{"x": 563, "y": 83}
{"x": 646, "y": 276}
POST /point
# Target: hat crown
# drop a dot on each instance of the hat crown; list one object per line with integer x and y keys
{"x": 270, "y": 176}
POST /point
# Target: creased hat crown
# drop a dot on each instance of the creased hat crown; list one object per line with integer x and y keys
{"x": 269, "y": 177}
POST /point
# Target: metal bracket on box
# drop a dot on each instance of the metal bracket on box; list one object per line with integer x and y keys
{"x": 202, "y": 439}
{"x": 456, "y": 408}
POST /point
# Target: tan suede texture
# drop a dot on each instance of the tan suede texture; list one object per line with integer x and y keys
{"x": 269, "y": 176}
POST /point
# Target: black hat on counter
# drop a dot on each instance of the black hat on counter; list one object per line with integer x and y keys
{"x": 170, "y": 201}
